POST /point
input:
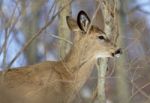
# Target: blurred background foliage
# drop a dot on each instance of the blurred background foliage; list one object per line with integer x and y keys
{"x": 22, "y": 19}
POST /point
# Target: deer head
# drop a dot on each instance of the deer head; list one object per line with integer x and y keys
{"x": 93, "y": 43}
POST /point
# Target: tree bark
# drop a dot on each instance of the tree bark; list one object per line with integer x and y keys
{"x": 31, "y": 27}
{"x": 63, "y": 30}
{"x": 108, "y": 9}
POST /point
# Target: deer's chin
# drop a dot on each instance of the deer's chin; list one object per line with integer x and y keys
{"x": 103, "y": 56}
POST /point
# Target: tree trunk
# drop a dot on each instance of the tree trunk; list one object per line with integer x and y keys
{"x": 109, "y": 12}
{"x": 64, "y": 31}
{"x": 30, "y": 28}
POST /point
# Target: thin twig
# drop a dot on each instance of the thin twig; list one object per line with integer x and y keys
{"x": 93, "y": 17}
{"x": 60, "y": 38}
{"x": 11, "y": 28}
{"x": 140, "y": 90}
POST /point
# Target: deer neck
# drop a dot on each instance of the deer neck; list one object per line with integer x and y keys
{"x": 78, "y": 57}
{"x": 80, "y": 65}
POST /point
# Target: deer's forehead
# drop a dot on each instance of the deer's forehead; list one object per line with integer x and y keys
{"x": 96, "y": 30}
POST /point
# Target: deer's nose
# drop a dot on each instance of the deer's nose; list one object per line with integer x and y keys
{"x": 117, "y": 53}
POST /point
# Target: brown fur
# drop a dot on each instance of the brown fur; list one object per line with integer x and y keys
{"x": 57, "y": 82}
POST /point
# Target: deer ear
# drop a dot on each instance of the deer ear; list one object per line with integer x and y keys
{"x": 72, "y": 24}
{"x": 83, "y": 21}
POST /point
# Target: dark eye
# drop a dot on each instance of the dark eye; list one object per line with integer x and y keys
{"x": 101, "y": 37}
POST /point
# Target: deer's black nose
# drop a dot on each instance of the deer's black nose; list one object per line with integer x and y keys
{"x": 117, "y": 52}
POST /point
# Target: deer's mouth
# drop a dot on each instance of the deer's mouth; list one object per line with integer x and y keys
{"x": 117, "y": 53}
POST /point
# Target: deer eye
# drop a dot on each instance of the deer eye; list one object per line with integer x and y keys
{"x": 101, "y": 37}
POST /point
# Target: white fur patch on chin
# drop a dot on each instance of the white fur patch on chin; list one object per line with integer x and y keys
{"x": 102, "y": 56}
{"x": 117, "y": 55}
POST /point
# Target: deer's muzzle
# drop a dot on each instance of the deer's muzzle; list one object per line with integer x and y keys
{"x": 117, "y": 53}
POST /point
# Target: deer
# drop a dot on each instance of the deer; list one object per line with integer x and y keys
{"x": 60, "y": 81}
